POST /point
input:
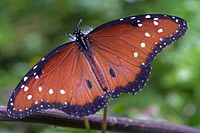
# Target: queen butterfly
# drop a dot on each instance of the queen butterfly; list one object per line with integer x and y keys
{"x": 80, "y": 77}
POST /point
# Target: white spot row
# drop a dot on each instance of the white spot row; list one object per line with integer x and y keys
{"x": 51, "y": 90}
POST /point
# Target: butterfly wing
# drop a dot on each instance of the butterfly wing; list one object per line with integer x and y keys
{"x": 58, "y": 81}
{"x": 126, "y": 47}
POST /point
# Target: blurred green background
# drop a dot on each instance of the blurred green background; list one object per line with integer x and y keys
{"x": 30, "y": 29}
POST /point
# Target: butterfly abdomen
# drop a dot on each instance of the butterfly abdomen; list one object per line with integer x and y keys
{"x": 95, "y": 66}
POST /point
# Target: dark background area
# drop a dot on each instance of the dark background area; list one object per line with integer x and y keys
{"x": 30, "y": 29}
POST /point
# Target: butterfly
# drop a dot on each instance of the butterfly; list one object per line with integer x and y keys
{"x": 79, "y": 77}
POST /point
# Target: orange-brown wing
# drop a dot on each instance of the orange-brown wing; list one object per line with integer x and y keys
{"x": 61, "y": 80}
{"x": 125, "y": 48}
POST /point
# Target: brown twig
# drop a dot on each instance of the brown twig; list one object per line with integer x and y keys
{"x": 58, "y": 118}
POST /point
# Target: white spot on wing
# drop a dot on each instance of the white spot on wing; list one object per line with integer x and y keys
{"x": 35, "y": 67}
{"x": 39, "y": 88}
{"x": 147, "y": 34}
{"x": 155, "y": 22}
{"x": 160, "y": 30}
{"x": 29, "y": 97}
{"x": 143, "y": 45}
{"x": 147, "y": 16}
{"x": 25, "y": 78}
{"x": 140, "y": 25}
{"x": 50, "y": 91}
{"x": 22, "y": 86}
{"x": 135, "y": 54}
{"x": 132, "y": 17}
{"x": 121, "y": 19}
{"x": 26, "y": 88}
{"x": 36, "y": 77}
{"x": 62, "y": 91}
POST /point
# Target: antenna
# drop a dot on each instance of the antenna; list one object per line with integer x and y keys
{"x": 71, "y": 36}
{"x": 80, "y": 21}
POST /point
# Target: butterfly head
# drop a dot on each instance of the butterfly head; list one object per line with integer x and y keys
{"x": 81, "y": 40}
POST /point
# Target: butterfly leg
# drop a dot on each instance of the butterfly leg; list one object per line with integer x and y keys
{"x": 87, "y": 124}
{"x": 104, "y": 122}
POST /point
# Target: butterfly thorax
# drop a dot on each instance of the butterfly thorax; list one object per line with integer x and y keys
{"x": 82, "y": 40}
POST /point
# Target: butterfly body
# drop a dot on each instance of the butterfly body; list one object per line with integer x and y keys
{"x": 80, "y": 77}
{"x": 86, "y": 48}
